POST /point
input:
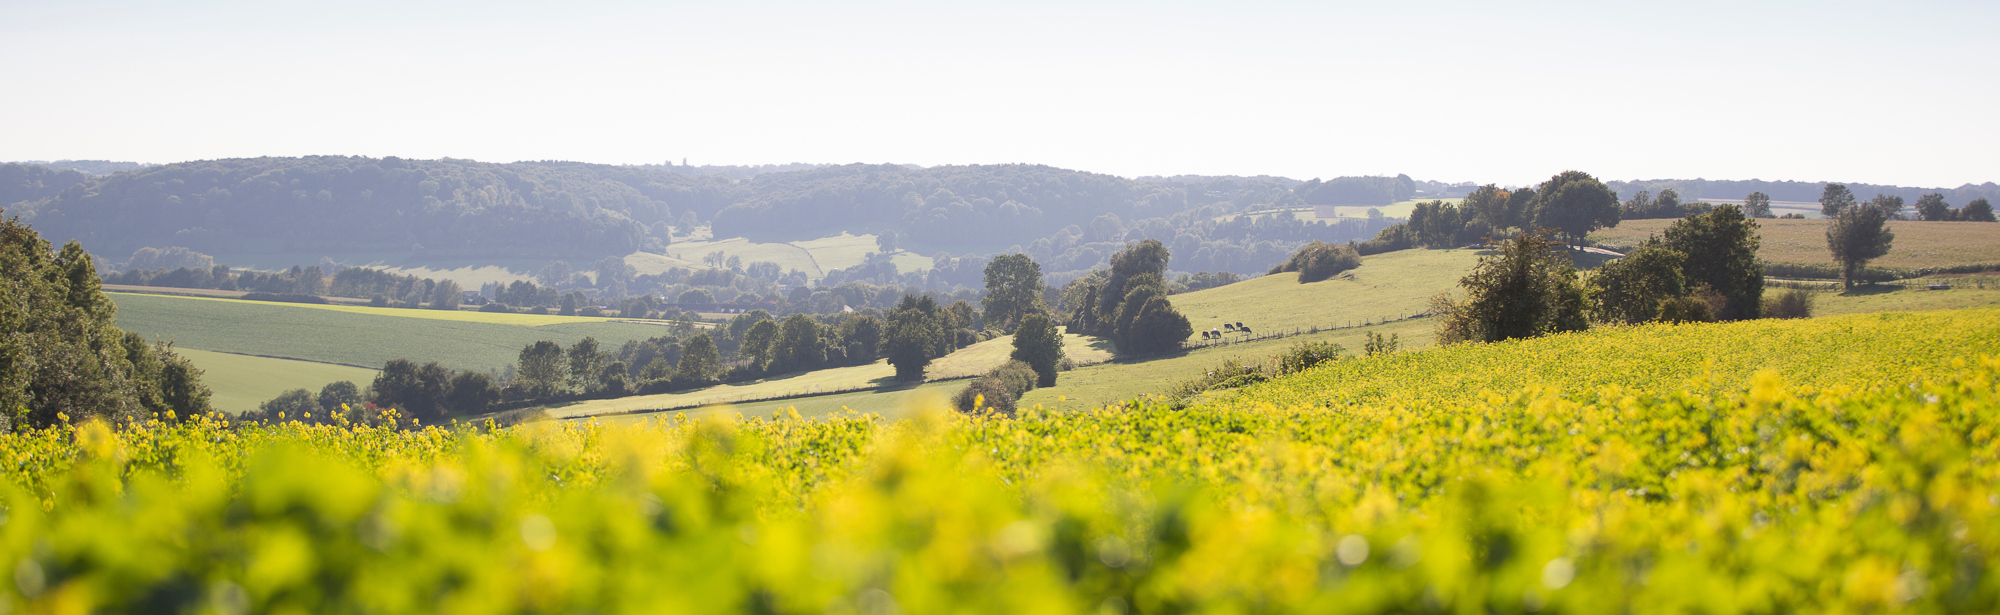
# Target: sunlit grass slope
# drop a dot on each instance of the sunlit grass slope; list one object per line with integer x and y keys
{"x": 1831, "y": 351}
{"x": 362, "y": 337}
{"x": 1870, "y": 486}
{"x": 1385, "y": 286}
{"x": 241, "y": 382}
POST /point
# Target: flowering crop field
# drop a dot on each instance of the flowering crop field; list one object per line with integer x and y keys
{"x": 1798, "y": 486}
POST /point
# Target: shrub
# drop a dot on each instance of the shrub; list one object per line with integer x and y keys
{"x": 1381, "y": 345}
{"x": 1017, "y": 375}
{"x": 1794, "y": 303}
{"x": 495, "y": 307}
{"x": 986, "y": 394}
{"x": 1229, "y": 375}
{"x": 1304, "y": 355}
{"x": 1320, "y": 260}
{"x": 1685, "y": 309}
{"x": 539, "y": 310}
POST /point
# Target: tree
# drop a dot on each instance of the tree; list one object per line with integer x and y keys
{"x": 61, "y": 357}
{"x": 1931, "y": 207}
{"x": 886, "y": 242}
{"x": 916, "y": 328}
{"x": 585, "y": 361}
{"x": 1039, "y": 344}
{"x": 757, "y": 343}
{"x": 798, "y": 346}
{"x": 1525, "y": 291}
{"x": 1488, "y": 204}
{"x": 1319, "y": 260}
{"x": 1979, "y": 210}
{"x": 1574, "y": 204}
{"x": 1758, "y": 205}
{"x": 446, "y": 296}
{"x": 1835, "y": 198}
{"x": 1013, "y": 289}
{"x": 1629, "y": 290}
{"x": 863, "y": 337}
{"x": 570, "y": 305}
{"x": 695, "y": 296}
{"x": 1891, "y": 206}
{"x": 1157, "y": 328}
{"x": 700, "y": 361}
{"x": 471, "y": 393}
{"x": 1721, "y": 257}
{"x": 1139, "y": 257}
{"x": 1855, "y": 236}
{"x": 337, "y": 394}
{"x": 293, "y": 404}
{"x": 541, "y": 370}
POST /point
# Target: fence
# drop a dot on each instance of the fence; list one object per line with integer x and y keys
{"x": 1231, "y": 337}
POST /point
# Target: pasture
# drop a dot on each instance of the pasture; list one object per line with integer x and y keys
{"x": 359, "y": 336}
{"x": 1386, "y": 286}
{"x": 814, "y": 257}
{"x": 240, "y": 382}
{"x": 1918, "y": 244}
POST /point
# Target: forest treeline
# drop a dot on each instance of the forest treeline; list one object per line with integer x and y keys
{"x": 1071, "y": 221}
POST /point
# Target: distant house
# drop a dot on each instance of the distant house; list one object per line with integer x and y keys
{"x": 472, "y": 297}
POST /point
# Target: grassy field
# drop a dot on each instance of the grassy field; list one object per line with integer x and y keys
{"x": 241, "y": 382}
{"x": 968, "y": 361}
{"x": 888, "y": 402}
{"x": 1918, "y": 244}
{"x": 358, "y": 336}
{"x": 1897, "y": 298}
{"x": 1386, "y": 286}
{"x": 815, "y": 257}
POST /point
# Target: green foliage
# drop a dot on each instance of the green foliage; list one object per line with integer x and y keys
{"x": 1857, "y": 235}
{"x": 1039, "y": 345}
{"x": 1573, "y": 203}
{"x": 1630, "y": 290}
{"x": 758, "y": 342}
{"x": 997, "y": 390}
{"x": 1932, "y": 208}
{"x": 1835, "y": 198}
{"x": 1979, "y": 210}
{"x": 586, "y": 361}
{"x": 1382, "y": 345}
{"x": 295, "y": 403}
{"x": 1721, "y": 257}
{"x": 1013, "y": 290}
{"x": 700, "y": 362}
{"x": 798, "y": 346}
{"x": 1794, "y": 303}
{"x": 61, "y": 358}
{"x": 1307, "y": 355}
{"x": 1525, "y": 291}
{"x": 917, "y": 334}
{"x": 1319, "y": 261}
{"x": 541, "y": 371}
{"x": 1757, "y": 205}
{"x": 338, "y": 393}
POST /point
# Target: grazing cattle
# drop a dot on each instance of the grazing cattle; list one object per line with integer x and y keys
{"x": 1240, "y": 327}
{"x": 1243, "y": 330}
{"x": 1228, "y": 326}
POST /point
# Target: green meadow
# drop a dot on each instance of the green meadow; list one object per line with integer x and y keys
{"x": 240, "y": 382}
{"x": 358, "y": 336}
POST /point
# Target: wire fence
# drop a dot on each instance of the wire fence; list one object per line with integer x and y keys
{"x": 1251, "y": 334}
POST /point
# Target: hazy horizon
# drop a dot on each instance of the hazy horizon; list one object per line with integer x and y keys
{"x": 1439, "y": 91}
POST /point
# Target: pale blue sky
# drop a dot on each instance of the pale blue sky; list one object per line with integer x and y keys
{"x": 1900, "y": 93}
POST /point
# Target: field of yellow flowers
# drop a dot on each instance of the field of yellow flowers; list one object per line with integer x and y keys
{"x": 1825, "y": 474}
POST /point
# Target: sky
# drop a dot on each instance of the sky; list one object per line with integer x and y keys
{"x": 1899, "y": 93}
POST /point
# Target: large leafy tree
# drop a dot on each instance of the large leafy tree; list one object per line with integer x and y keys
{"x": 1721, "y": 249}
{"x": 1835, "y": 198}
{"x": 61, "y": 357}
{"x": 700, "y": 361}
{"x": 1979, "y": 210}
{"x": 1013, "y": 289}
{"x": 798, "y": 346}
{"x": 586, "y": 359}
{"x": 1630, "y": 290}
{"x": 1758, "y": 205}
{"x": 916, "y": 335}
{"x": 1931, "y": 207}
{"x": 1038, "y": 343}
{"x": 1857, "y": 235}
{"x": 1573, "y": 203}
{"x": 1527, "y": 290}
{"x": 541, "y": 370}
